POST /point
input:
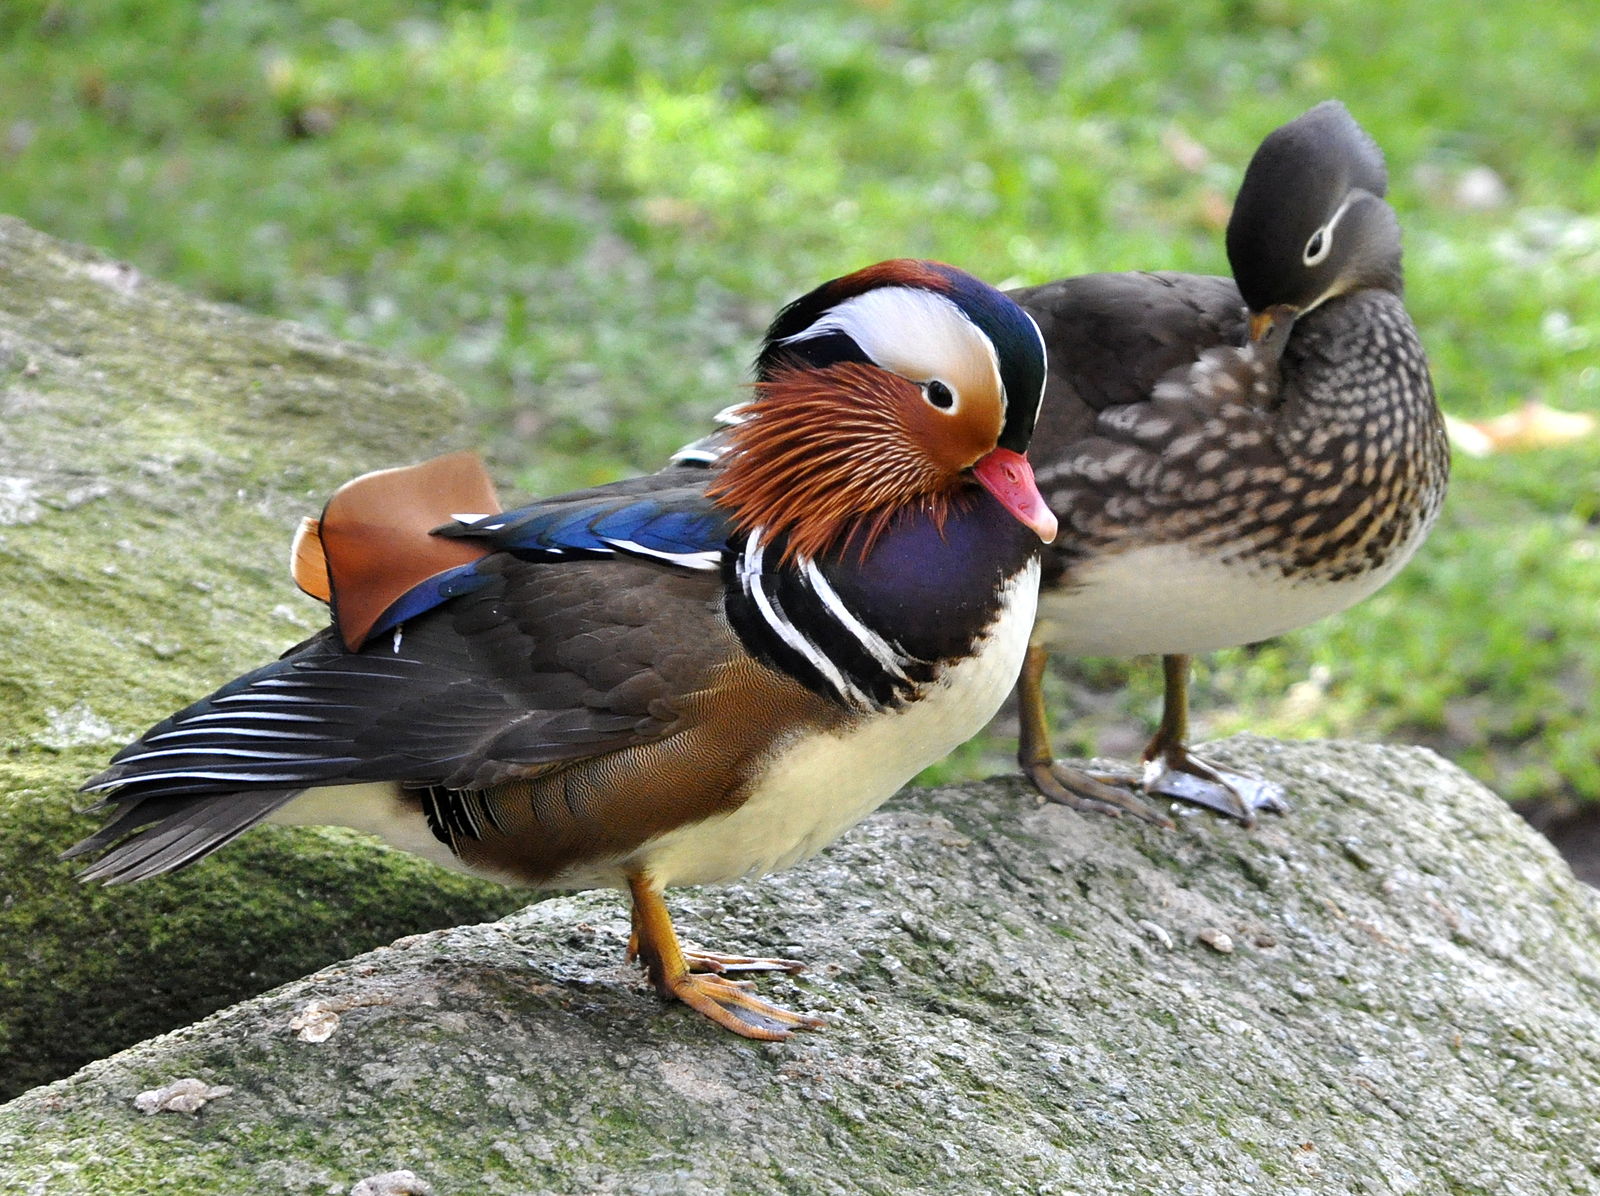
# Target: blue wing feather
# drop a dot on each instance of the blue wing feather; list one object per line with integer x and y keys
{"x": 681, "y": 527}
{"x": 604, "y": 528}
{"x": 426, "y": 595}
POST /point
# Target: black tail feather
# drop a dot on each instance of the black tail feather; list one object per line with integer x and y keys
{"x": 164, "y": 833}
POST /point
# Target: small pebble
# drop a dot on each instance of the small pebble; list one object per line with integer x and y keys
{"x": 315, "y": 1022}
{"x": 1217, "y": 940}
{"x": 393, "y": 1183}
{"x": 1156, "y": 931}
{"x": 187, "y": 1095}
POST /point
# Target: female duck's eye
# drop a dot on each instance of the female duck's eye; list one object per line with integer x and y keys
{"x": 940, "y": 395}
{"x": 1317, "y": 247}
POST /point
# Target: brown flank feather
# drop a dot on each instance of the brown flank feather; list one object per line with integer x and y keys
{"x": 796, "y": 462}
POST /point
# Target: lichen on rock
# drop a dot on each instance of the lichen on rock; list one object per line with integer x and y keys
{"x": 156, "y": 453}
{"x": 1411, "y": 1005}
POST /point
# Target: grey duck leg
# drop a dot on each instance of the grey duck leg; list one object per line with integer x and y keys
{"x": 1054, "y": 780}
{"x": 1172, "y": 770}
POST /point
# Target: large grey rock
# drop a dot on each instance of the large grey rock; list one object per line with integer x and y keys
{"x": 156, "y": 453}
{"x": 1396, "y": 989}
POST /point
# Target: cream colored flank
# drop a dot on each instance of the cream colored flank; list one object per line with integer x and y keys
{"x": 1189, "y": 603}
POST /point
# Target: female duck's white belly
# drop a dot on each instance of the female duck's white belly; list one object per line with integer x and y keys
{"x": 1168, "y": 599}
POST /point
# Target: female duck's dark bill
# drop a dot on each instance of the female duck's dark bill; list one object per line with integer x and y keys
{"x": 1009, "y": 477}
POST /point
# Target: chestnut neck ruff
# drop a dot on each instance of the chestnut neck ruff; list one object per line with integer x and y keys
{"x": 813, "y": 473}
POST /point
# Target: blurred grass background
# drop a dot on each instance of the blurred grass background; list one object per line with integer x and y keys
{"x": 584, "y": 215}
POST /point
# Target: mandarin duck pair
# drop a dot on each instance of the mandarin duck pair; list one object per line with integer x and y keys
{"x": 1229, "y": 459}
{"x": 712, "y": 671}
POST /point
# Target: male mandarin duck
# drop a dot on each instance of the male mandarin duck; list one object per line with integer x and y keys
{"x": 1231, "y": 460}
{"x": 684, "y": 678}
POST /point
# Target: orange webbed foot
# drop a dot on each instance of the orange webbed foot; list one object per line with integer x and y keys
{"x": 732, "y": 1005}
{"x": 697, "y": 977}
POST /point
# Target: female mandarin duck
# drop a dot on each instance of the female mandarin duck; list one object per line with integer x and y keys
{"x": 678, "y": 679}
{"x": 1231, "y": 460}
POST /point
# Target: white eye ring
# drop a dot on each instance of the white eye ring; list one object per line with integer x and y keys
{"x": 939, "y": 394}
{"x": 1320, "y": 245}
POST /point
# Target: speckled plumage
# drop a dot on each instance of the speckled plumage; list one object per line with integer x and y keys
{"x": 1322, "y": 468}
{"x": 1215, "y": 489}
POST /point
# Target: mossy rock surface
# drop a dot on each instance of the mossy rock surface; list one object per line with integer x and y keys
{"x": 1395, "y": 989}
{"x": 156, "y": 453}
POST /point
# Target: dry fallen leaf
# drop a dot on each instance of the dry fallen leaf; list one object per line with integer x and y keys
{"x": 1186, "y": 152}
{"x": 1534, "y": 424}
{"x": 1215, "y": 209}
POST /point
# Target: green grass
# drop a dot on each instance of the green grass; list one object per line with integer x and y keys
{"x": 585, "y": 215}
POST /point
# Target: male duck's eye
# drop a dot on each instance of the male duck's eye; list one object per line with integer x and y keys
{"x": 940, "y": 395}
{"x": 1317, "y": 247}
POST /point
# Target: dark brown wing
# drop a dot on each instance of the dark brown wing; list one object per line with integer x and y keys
{"x": 540, "y": 664}
{"x": 1111, "y": 337}
{"x": 543, "y": 669}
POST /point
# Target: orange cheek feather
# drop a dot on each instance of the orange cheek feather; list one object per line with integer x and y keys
{"x": 797, "y": 465}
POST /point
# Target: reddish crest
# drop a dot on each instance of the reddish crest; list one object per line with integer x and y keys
{"x": 900, "y": 271}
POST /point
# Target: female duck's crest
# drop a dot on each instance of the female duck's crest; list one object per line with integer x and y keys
{"x": 1310, "y": 221}
{"x": 914, "y": 366}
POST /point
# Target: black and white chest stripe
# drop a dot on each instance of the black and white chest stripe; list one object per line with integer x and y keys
{"x": 792, "y": 618}
{"x": 456, "y": 814}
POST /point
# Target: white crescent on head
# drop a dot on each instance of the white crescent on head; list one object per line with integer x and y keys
{"x": 919, "y": 335}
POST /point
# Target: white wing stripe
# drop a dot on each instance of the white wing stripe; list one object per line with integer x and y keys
{"x": 230, "y": 753}
{"x": 689, "y": 560}
{"x": 262, "y": 716}
{"x": 178, "y": 733}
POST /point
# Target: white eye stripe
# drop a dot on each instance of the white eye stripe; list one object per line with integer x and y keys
{"x": 1322, "y": 239}
{"x": 917, "y": 334}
